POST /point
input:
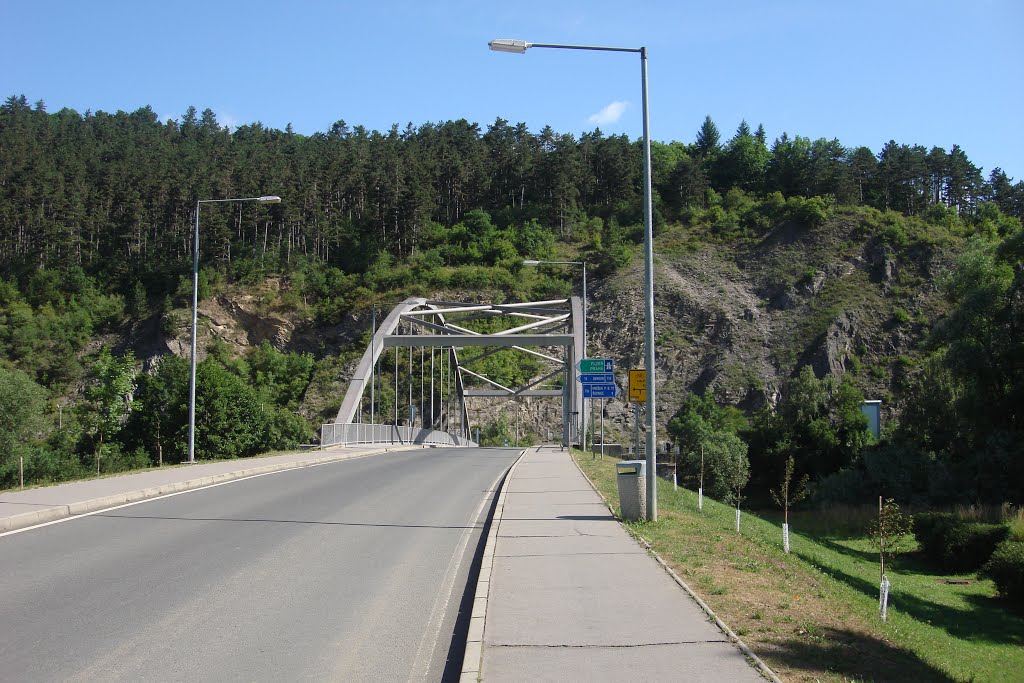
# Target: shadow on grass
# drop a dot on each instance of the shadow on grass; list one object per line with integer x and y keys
{"x": 913, "y": 562}
{"x": 853, "y": 655}
{"x": 862, "y": 555}
{"x": 986, "y": 621}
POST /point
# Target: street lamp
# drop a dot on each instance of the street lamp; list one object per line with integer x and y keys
{"x": 520, "y": 47}
{"x": 266, "y": 199}
{"x": 535, "y": 262}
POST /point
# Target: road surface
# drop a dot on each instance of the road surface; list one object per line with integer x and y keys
{"x": 351, "y": 571}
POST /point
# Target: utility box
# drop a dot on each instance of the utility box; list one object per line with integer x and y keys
{"x": 631, "y": 477}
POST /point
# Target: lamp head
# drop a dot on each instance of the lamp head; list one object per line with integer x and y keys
{"x": 508, "y": 45}
{"x": 531, "y": 262}
{"x": 269, "y": 199}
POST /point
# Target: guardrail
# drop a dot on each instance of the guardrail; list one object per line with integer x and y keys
{"x": 350, "y": 434}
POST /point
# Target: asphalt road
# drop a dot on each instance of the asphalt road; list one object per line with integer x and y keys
{"x": 347, "y": 571}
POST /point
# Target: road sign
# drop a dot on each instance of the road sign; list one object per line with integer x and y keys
{"x": 596, "y": 378}
{"x": 590, "y": 365}
{"x": 638, "y": 386}
{"x": 599, "y": 391}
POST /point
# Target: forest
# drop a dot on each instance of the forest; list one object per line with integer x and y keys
{"x": 96, "y": 219}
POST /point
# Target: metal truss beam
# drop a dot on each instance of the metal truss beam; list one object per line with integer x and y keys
{"x": 550, "y": 324}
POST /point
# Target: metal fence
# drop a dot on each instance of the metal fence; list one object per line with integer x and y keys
{"x": 335, "y": 434}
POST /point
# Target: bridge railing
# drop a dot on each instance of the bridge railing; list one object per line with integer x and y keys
{"x": 350, "y": 434}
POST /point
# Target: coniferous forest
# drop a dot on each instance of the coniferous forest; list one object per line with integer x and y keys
{"x": 97, "y": 212}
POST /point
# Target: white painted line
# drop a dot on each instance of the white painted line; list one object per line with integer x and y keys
{"x": 424, "y": 654}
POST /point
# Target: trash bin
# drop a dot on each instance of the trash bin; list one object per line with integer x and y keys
{"x": 632, "y": 481}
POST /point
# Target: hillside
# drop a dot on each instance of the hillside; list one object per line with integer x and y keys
{"x": 736, "y": 318}
{"x": 793, "y": 280}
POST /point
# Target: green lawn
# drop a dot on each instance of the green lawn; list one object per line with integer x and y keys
{"x": 813, "y": 614}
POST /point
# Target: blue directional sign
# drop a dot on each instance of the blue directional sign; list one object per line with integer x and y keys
{"x": 596, "y": 378}
{"x": 598, "y": 391}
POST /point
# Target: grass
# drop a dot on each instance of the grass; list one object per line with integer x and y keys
{"x": 812, "y": 615}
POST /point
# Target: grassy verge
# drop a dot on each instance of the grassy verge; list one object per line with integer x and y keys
{"x": 813, "y": 614}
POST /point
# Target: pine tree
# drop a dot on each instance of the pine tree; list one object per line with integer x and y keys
{"x": 707, "y": 138}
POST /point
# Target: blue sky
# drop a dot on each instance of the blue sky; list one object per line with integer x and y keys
{"x": 864, "y": 71}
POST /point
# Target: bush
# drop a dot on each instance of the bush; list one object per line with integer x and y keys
{"x": 1006, "y": 569}
{"x": 954, "y": 544}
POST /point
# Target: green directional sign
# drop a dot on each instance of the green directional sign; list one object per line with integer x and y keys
{"x": 588, "y": 365}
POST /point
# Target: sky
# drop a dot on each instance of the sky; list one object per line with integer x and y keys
{"x": 934, "y": 73}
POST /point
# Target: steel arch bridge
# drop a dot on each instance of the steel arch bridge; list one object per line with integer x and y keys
{"x": 549, "y": 330}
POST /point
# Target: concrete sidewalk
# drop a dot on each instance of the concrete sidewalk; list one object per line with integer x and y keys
{"x": 566, "y": 594}
{"x": 20, "y": 509}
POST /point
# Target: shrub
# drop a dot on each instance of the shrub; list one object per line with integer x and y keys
{"x": 955, "y": 545}
{"x": 1006, "y": 569}
{"x": 811, "y": 212}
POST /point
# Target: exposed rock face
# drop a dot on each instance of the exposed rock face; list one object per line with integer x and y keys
{"x": 739, "y": 321}
{"x": 242, "y": 320}
{"x": 837, "y": 346}
{"x": 234, "y": 320}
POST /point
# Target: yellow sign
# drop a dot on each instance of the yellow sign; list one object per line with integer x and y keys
{"x": 638, "y": 386}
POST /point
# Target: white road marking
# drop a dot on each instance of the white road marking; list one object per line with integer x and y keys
{"x": 424, "y": 654}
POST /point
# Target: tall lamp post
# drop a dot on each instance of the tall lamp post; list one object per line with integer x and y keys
{"x": 266, "y": 199}
{"x": 520, "y": 47}
{"x": 535, "y": 262}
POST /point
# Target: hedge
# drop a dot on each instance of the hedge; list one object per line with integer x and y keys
{"x": 955, "y": 544}
{"x": 1006, "y": 569}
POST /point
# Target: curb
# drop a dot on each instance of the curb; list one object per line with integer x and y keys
{"x": 473, "y": 657}
{"x": 762, "y": 668}
{"x": 51, "y": 514}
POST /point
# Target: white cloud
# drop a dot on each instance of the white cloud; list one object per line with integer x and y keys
{"x": 225, "y": 119}
{"x": 610, "y": 114}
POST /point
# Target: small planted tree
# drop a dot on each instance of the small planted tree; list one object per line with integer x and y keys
{"x": 888, "y": 535}
{"x": 736, "y": 471}
{"x": 700, "y": 488}
{"x": 789, "y": 494}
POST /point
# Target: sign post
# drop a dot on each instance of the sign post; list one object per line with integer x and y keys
{"x": 597, "y": 375}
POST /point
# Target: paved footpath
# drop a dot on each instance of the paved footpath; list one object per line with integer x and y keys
{"x": 20, "y": 509}
{"x": 568, "y": 595}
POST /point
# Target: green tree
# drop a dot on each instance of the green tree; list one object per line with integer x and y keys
{"x": 230, "y": 420}
{"x": 707, "y": 437}
{"x": 160, "y": 419}
{"x": 742, "y": 163}
{"x": 819, "y": 423}
{"x": 497, "y": 433}
{"x": 138, "y": 304}
{"x": 109, "y": 393}
{"x": 23, "y": 421}
{"x": 280, "y": 377}
{"x": 728, "y": 466}
{"x": 707, "y": 138}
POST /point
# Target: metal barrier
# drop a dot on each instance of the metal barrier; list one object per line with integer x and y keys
{"x": 350, "y": 434}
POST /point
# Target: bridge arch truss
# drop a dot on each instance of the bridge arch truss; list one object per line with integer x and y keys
{"x": 550, "y": 330}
